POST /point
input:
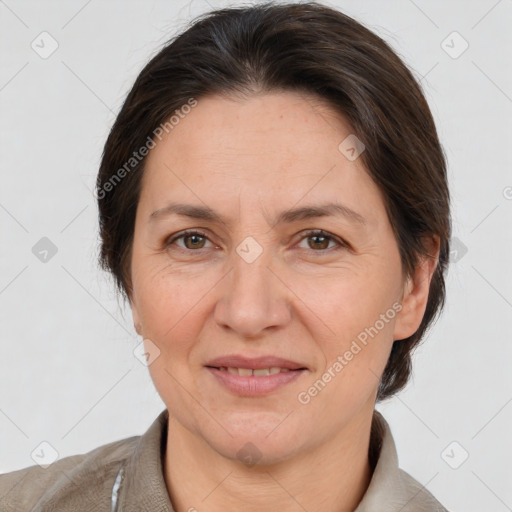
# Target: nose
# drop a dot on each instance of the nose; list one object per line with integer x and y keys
{"x": 253, "y": 298}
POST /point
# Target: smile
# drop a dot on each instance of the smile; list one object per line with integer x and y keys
{"x": 259, "y": 372}
{"x": 254, "y": 382}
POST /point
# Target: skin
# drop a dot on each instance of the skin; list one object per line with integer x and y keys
{"x": 303, "y": 299}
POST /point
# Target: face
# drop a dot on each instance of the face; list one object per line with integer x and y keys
{"x": 253, "y": 271}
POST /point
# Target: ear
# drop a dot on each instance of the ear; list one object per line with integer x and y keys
{"x": 135, "y": 314}
{"x": 415, "y": 291}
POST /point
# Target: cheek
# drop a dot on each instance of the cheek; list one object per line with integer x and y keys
{"x": 353, "y": 302}
{"x": 354, "y": 363}
{"x": 359, "y": 312}
{"x": 164, "y": 290}
{"x": 164, "y": 302}
{"x": 172, "y": 313}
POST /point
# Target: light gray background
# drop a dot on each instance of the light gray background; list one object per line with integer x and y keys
{"x": 67, "y": 372}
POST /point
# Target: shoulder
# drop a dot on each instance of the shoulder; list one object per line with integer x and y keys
{"x": 392, "y": 489}
{"x": 419, "y": 498}
{"x": 77, "y": 482}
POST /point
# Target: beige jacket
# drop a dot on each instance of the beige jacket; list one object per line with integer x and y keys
{"x": 127, "y": 476}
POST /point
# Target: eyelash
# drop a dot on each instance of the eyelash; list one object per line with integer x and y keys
{"x": 308, "y": 234}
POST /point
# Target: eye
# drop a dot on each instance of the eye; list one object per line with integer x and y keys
{"x": 195, "y": 240}
{"x": 321, "y": 239}
{"x": 192, "y": 240}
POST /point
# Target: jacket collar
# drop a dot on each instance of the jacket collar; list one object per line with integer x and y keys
{"x": 386, "y": 491}
{"x": 142, "y": 486}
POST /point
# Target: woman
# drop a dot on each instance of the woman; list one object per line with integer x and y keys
{"x": 274, "y": 206}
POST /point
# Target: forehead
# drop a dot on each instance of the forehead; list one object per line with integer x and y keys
{"x": 269, "y": 127}
{"x": 277, "y": 147}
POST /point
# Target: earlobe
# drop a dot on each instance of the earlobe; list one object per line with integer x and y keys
{"x": 135, "y": 315}
{"x": 416, "y": 292}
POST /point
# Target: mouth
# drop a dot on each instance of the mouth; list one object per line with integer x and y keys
{"x": 269, "y": 362}
{"x": 244, "y": 376}
{"x": 257, "y": 372}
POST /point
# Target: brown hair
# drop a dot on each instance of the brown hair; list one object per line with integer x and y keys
{"x": 304, "y": 47}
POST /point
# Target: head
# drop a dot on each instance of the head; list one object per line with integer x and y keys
{"x": 249, "y": 114}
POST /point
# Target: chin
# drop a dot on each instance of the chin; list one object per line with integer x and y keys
{"x": 258, "y": 438}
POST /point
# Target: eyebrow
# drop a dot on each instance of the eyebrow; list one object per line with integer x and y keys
{"x": 287, "y": 216}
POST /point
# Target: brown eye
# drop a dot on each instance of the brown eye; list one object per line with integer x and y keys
{"x": 196, "y": 241}
{"x": 319, "y": 241}
{"x": 191, "y": 240}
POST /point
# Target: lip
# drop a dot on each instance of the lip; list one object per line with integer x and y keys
{"x": 256, "y": 363}
{"x": 252, "y": 385}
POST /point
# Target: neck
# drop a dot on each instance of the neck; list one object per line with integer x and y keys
{"x": 331, "y": 478}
